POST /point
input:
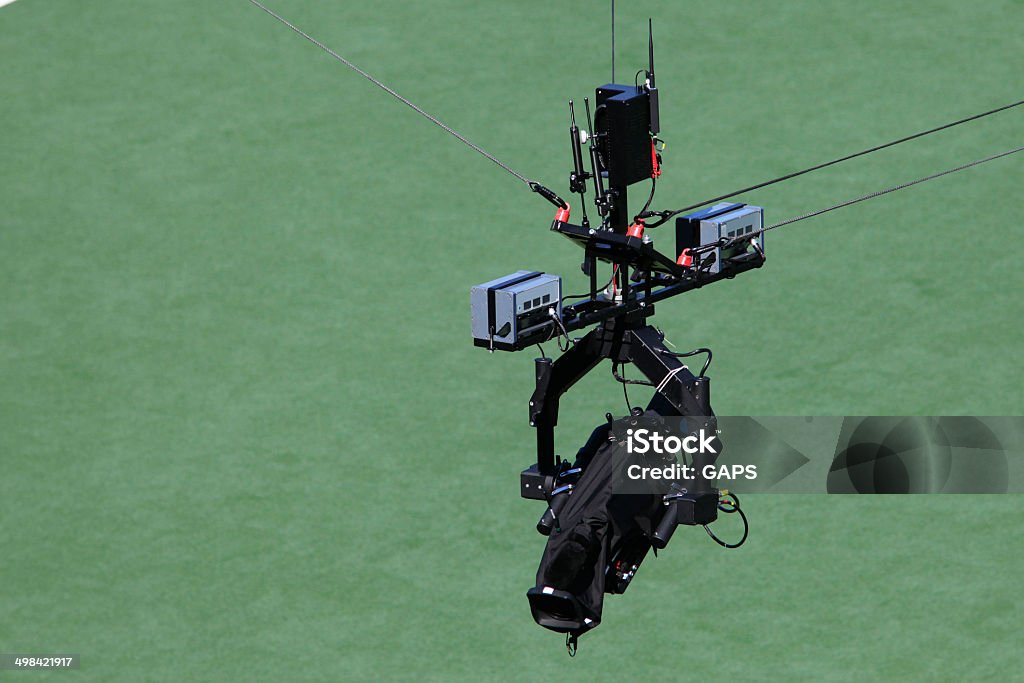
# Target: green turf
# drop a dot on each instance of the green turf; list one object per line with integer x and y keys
{"x": 244, "y": 434}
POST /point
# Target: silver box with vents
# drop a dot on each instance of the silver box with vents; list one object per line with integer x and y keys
{"x": 520, "y": 301}
{"x": 741, "y": 221}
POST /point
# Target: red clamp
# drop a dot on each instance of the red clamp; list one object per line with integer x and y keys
{"x": 637, "y": 229}
{"x": 655, "y": 167}
{"x": 685, "y": 259}
{"x": 562, "y": 215}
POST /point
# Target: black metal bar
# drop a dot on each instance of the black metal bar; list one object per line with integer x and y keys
{"x": 618, "y": 210}
{"x": 554, "y": 378}
{"x": 675, "y": 381}
{"x": 592, "y": 267}
{"x": 579, "y": 316}
{"x": 690, "y": 395}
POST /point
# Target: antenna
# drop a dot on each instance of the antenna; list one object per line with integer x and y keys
{"x": 613, "y": 41}
{"x": 650, "y": 51}
{"x": 652, "y": 89}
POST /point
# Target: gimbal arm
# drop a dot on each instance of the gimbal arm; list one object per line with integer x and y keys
{"x": 621, "y": 341}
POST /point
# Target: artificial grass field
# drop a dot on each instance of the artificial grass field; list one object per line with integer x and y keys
{"x": 244, "y": 434}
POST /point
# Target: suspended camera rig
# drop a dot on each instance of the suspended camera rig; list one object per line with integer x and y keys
{"x": 525, "y": 308}
{"x": 518, "y": 311}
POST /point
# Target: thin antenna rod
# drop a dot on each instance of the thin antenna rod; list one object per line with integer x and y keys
{"x": 650, "y": 50}
{"x": 613, "y": 41}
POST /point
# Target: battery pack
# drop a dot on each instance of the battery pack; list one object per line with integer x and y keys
{"x": 508, "y": 308}
{"x": 709, "y": 225}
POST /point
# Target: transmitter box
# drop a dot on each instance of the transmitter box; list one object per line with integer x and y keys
{"x": 507, "y": 309}
{"x": 713, "y": 223}
{"x": 623, "y": 118}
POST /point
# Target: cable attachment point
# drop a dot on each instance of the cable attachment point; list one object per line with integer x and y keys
{"x": 757, "y": 247}
{"x": 636, "y": 229}
{"x": 562, "y": 215}
{"x": 549, "y": 195}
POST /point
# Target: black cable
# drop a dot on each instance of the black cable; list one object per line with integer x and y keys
{"x": 743, "y": 539}
{"x": 731, "y": 508}
{"x": 879, "y": 193}
{"x": 726, "y": 505}
{"x": 596, "y": 136}
{"x": 695, "y": 352}
{"x": 532, "y": 184}
{"x": 581, "y": 296}
{"x": 555, "y": 334}
{"x": 650, "y": 198}
{"x": 613, "y": 41}
{"x": 724, "y": 243}
{"x": 569, "y": 341}
{"x": 624, "y": 380}
{"x": 665, "y": 215}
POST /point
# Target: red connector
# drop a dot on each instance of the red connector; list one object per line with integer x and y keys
{"x": 685, "y": 259}
{"x": 656, "y": 168}
{"x": 562, "y": 215}
{"x": 637, "y": 229}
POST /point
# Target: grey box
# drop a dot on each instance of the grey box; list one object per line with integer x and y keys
{"x": 721, "y": 220}
{"x": 505, "y": 309}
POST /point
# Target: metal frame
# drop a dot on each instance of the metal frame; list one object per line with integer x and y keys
{"x": 623, "y": 339}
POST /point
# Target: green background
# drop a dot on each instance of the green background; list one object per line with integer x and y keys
{"x": 244, "y": 434}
